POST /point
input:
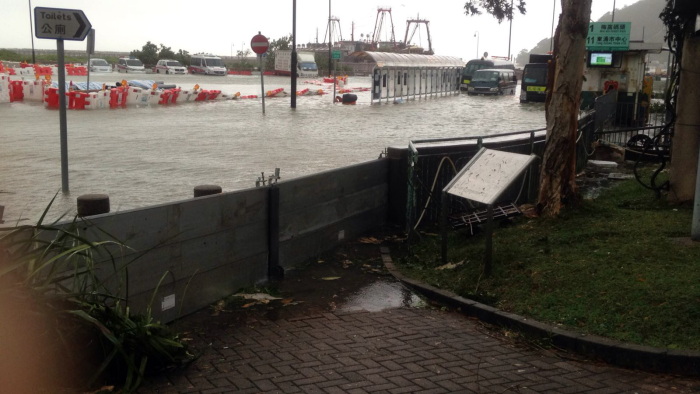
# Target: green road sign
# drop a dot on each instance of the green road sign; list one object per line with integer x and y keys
{"x": 336, "y": 55}
{"x": 608, "y": 36}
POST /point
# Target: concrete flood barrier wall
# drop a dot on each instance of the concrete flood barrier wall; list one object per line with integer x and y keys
{"x": 214, "y": 245}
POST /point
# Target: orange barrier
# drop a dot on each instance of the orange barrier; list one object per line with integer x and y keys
{"x": 117, "y": 97}
{"x": 273, "y": 93}
{"x": 11, "y": 71}
{"x": 73, "y": 70}
{"x": 245, "y": 73}
{"x": 213, "y": 94}
{"x": 232, "y": 72}
{"x": 203, "y": 95}
{"x": 175, "y": 95}
{"x": 269, "y": 73}
{"x": 16, "y": 91}
{"x": 302, "y": 92}
{"x": 252, "y": 96}
{"x": 51, "y": 97}
{"x": 42, "y": 71}
{"x": 77, "y": 100}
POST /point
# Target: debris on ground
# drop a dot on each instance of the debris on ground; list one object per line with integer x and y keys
{"x": 331, "y": 278}
{"x": 370, "y": 240}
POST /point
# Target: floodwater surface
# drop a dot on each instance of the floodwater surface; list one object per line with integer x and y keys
{"x": 154, "y": 154}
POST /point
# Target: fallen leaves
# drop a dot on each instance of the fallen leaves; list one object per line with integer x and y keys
{"x": 370, "y": 240}
{"x": 347, "y": 263}
{"x": 449, "y": 266}
{"x": 331, "y": 278}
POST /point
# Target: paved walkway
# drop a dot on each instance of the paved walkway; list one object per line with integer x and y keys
{"x": 330, "y": 344}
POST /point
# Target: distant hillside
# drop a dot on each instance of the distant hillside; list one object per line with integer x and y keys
{"x": 644, "y": 16}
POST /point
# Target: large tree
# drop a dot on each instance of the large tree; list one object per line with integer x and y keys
{"x": 558, "y": 173}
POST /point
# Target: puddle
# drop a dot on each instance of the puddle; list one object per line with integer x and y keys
{"x": 381, "y": 295}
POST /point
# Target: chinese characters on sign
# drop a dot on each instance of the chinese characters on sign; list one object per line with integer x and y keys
{"x": 608, "y": 36}
{"x": 61, "y": 24}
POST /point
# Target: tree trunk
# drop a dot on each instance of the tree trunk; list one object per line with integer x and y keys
{"x": 558, "y": 174}
{"x": 686, "y": 136}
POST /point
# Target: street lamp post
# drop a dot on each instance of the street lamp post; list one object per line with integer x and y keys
{"x": 476, "y": 34}
{"x": 31, "y": 30}
{"x": 510, "y": 31}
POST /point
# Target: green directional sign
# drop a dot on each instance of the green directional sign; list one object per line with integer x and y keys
{"x": 608, "y": 36}
{"x": 336, "y": 55}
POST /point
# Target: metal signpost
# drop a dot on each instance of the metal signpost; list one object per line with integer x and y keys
{"x": 608, "y": 36}
{"x": 260, "y": 44}
{"x": 90, "y": 51}
{"x": 484, "y": 179}
{"x": 61, "y": 24}
{"x": 336, "y": 57}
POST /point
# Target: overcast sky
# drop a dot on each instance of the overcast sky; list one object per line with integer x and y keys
{"x": 215, "y": 25}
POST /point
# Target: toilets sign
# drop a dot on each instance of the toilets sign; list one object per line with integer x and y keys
{"x": 60, "y": 24}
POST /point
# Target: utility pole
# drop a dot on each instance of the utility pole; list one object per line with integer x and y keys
{"x": 294, "y": 54}
{"x": 551, "y": 37}
{"x": 510, "y": 32}
{"x": 477, "y": 35}
{"x": 613, "y": 14}
{"x": 31, "y": 31}
{"x": 352, "y": 32}
{"x": 330, "y": 39}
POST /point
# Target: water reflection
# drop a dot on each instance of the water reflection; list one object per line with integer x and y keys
{"x": 381, "y": 295}
{"x": 150, "y": 155}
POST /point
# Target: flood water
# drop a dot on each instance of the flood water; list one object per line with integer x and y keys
{"x": 154, "y": 154}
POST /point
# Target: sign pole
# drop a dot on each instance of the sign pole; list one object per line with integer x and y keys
{"x": 90, "y": 51}
{"x": 63, "y": 124}
{"x": 294, "y": 54}
{"x": 335, "y": 78}
{"x": 262, "y": 82}
{"x": 489, "y": 241}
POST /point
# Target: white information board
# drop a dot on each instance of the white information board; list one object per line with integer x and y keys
{"x": 488, "y": 175}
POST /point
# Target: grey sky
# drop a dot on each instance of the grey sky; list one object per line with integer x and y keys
{"x": 215, "y": 25}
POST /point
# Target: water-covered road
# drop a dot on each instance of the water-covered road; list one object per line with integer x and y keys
{"x": 149, "y": 155}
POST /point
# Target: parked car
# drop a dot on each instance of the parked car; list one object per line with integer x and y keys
{"x": 207, "y": 65}
{"x": 493, "y": 82}
{"x": 130, "y": 65}
{"x": 167, "y": 66}
{"x": 100, "y": 66}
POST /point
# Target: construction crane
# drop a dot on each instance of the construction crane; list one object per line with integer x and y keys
{"x": 379, "y": 23}
{"x": 417, "y": 22}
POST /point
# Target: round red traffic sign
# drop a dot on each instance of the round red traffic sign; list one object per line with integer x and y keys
{"x": 259, "y": 44}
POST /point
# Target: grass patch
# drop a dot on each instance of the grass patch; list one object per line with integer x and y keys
{"x": 609, "y": 267}
{"x": 12, "y": 56}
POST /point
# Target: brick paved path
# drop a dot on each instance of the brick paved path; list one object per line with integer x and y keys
{"x": 319, "y": 347}
{"x": 394, "y": 351}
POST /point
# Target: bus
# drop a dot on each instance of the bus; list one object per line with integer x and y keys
{"x": 534, "y": 85}
{"x": 477, "y": 64}
{"x": 535, "y": 75}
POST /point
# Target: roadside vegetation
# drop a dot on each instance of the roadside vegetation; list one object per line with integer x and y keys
{"x": 66, "y": 321}
{"x": 12, "y": 56}
{"x": 614, "y": 266}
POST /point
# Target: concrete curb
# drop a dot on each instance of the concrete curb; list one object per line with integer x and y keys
{"x": 614, "y": 352}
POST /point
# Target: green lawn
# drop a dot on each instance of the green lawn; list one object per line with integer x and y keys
{"x": 609, "y": 267}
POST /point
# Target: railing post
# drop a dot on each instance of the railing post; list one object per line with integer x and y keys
{"x": 532, "y": 166}
{"x": 443, "y": 226}
{"x": 274, "y": 271}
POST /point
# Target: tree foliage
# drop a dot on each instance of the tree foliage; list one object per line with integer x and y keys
{"x": 148, "y": 53}
{"x": 500, "y": 9}
{"x": 165, "y": 52}
{"x": 275, "y": 45}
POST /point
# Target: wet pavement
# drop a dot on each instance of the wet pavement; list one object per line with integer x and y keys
{"x": 341, "y": 324}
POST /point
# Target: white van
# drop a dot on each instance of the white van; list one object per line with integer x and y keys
{"x": 100, "y": 66}
{"x": 130, "y": 65}
{"x": 207, "y": 65}
{"x": 166, "y": 66}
